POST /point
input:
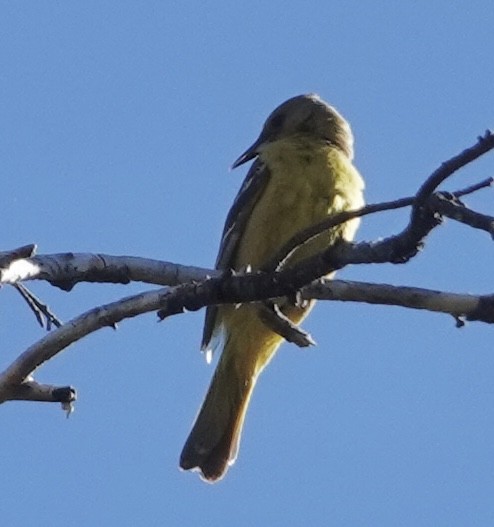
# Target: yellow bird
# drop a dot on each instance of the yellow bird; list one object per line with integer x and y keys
{"x": 302, "y": 173}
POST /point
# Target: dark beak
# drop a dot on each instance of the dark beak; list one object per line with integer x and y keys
{"x": 249, "y": 154}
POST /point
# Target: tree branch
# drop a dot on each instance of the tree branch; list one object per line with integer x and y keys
{"x": 30, "y": 390}
{"x": 65, "y": 270}
{"x": 484, "y": 144}
{"x": 276, "y": 320}
{"x": 41, "y": 311}
{"x": 197, "y": 287}
{"x": 460, "y": 306}
{"x": 26, "y": 251}
{"x": 469, "y": 307}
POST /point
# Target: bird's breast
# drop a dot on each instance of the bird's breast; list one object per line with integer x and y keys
{"x": 307, "y": 183}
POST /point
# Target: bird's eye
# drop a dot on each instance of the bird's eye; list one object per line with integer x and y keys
{"x": 277, "y": 121}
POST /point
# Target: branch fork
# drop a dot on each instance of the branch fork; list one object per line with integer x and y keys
{"x": 191, "y": 288}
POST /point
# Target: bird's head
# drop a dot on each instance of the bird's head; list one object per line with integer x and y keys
{"x": 305, "y": 116}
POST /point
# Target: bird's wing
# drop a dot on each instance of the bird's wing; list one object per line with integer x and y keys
{"x": 251, "y": 190}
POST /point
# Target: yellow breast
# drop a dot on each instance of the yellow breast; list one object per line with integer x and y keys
{"x": 308, "y": 182}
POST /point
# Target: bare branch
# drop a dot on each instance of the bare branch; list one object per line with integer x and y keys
{"x": 33, "y": 391}
{"x": 486, "y": 183}
{"x": 448, "y": 205}
{"x": 67, "y": 269}
{"x": 434, "y": 202}
{"x": 174, "y": 300}
{"x": 25, "y": 251}
{"x": 201, "y": 287}
{"x": 42, "y": 312}
{"x": 454, "y": 304}
{"x": 483, "y": 145}
{"x": 75, "y": 329}
{"x": 273, "y": 317}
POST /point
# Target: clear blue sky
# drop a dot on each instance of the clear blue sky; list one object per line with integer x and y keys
{"x": 119, "y": 122}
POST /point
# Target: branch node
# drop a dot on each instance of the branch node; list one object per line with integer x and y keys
{"x": 460, "y": 321}
{"x": 484, "y": 311}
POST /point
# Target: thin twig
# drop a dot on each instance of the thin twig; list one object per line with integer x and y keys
{"x": 271, "y": 315}
{"x": 42, "y": 311}
{"x": 483, "y": 145}
{"x": 486, "y": 183}
{"x": 310, "y": 233}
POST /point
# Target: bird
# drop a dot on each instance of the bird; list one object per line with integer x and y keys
{"x": 302, "y": 173}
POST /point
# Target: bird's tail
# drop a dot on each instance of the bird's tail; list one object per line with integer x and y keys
{"x": 212, "y": 444}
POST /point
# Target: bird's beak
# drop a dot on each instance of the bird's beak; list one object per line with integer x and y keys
{"x": 250, "y": 153}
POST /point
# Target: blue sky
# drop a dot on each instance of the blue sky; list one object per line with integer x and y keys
{"x": 119, "y": 123}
